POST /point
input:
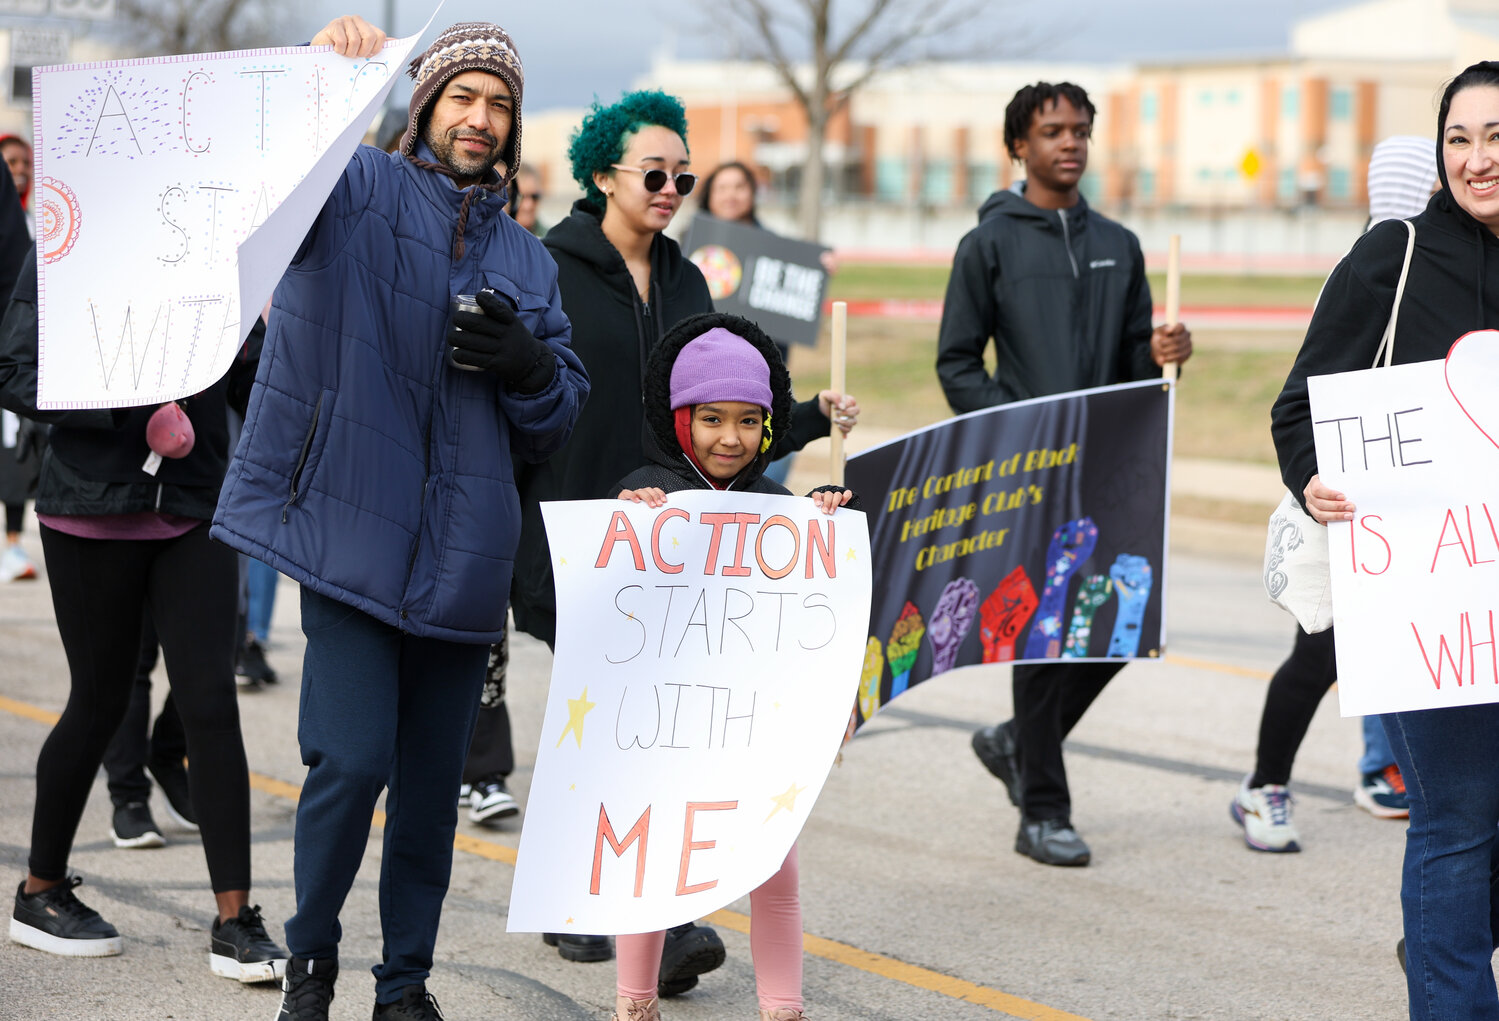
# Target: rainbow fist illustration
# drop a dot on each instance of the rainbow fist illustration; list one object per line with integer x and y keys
{"x": 1071, "y": 544}
{"x": 950, "y": 622}
{"x": 1004, "y": 614}
{"x": 869, "y": 678}
{"x": 1093, "y": 593}
{"x": 1133, "y": 579}
{"x": 905, "y": 643}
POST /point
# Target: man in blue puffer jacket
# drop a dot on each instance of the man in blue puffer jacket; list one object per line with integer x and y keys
{"x": 376, "y": 469}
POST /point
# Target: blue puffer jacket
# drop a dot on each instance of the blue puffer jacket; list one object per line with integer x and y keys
{"x": 370, "y": 470}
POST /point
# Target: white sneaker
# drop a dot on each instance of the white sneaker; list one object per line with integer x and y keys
{"x": 491, "y": 802}
{"x": 15, "y": 565}
{"x": 1265, "y": 814}
{"x": 465, "y": 791}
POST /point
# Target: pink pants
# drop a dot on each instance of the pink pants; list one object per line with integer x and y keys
{"x": 775, "y": 945}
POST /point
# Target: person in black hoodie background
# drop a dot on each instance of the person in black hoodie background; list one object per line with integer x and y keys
{"x": 124, "y": 500}
{"x": 1449, "y": 757}
{"x": 623, "y": 284}
{"x": 1061, "y": 291}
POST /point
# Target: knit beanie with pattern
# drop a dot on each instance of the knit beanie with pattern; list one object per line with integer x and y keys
{"x": 467, "y": 46}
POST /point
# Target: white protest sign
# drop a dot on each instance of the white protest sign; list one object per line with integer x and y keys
{"x": 1416, "y": 573}
{"x": 707, "y": 655}
{"x": 150, "y": 174}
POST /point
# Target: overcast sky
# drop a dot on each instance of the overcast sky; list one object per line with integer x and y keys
{"x": 574, "y": 49}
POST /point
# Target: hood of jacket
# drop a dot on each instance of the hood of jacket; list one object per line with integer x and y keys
{"x": 581, "y": 235}
{"x": 1012, "y": 203}
{"x": 664, "y": 448}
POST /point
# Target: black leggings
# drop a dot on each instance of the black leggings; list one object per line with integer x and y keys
{"x": 15, "y": 513}
{"x": 99, "y": 587}
{"x": 1290, "y": 703}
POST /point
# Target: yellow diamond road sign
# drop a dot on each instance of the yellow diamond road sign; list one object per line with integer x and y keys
{"x": 1250, "y": 164}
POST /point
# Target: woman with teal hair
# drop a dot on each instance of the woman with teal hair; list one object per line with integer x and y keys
{"x": 623, "y": 283}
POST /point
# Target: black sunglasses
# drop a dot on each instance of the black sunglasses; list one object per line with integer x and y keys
{"x": 655, "y": 180}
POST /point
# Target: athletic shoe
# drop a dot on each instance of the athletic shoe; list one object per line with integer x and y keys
{"x": 1382, "y": 794}
{"x": 995, "y": 747}
{"x": 491, "y": 801}
{"x": 134, "y": 827}
{"x": 689, "y": 951}
{"x": 252, "y": 663}
{"x": 307, "y": 989}
{"x": 242, "y": 949}
{"x": 171, "y": 777}
{"x": 574, "y": 947}
{"x": 1265, "y": 814}
{"x": 58, "y": 922}
{"x": 1051, "y": 842}
{"x": 464, "y": 792}
{"x": 415, "y": 1004}
{"x": 15, "y": 565}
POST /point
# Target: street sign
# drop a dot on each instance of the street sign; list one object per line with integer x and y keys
{"x": 87, "y": 10}
{"x": 33, "y": 47}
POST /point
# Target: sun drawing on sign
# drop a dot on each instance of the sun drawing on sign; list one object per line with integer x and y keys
{"x": 577, "y": 708}
{"x": 786, "y": 800}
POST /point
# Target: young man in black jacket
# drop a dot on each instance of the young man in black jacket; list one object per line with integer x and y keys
{"x": 1061, "y": 292}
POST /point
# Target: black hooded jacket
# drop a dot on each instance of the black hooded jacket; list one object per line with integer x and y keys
{"x": 613, "y": 334}
{"x": 93, "y": 459}
{"x": 668, "y": 467}
{"x": 1452, "y": 289}
{"x": 1062, "y": 293}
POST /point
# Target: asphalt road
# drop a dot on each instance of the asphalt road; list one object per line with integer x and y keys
{"x": 915, "y": 904}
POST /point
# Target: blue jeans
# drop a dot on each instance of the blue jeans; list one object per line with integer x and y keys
{"x": 379, "y": 710}
{"x": 1377, "y": 751}
{"x": 260, "y": 583}
{"x": 1450, "y": 889}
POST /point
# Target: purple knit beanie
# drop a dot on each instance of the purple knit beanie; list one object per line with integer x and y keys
{"x": 719, "y": 366}
{"x": 467, "y": 46}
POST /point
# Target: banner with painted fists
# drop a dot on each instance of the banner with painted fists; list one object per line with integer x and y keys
{"x": 1023, "y": 533}
{"x": 707, "y": 652}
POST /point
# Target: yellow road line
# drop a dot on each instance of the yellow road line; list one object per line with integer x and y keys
{"x": 817, "y": 946}
{"x": 1222, "y": 668}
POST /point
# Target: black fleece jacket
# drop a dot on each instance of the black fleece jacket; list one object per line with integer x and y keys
{"x": 1062, "y": 293}
{"x": 668, "y": 467}
{"x": 93, "y": 460}
{"x": 613, "y": 334}
{"x": 1452, "y": 288}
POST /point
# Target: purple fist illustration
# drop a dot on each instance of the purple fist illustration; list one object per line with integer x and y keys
{"x": 950, "y": 621}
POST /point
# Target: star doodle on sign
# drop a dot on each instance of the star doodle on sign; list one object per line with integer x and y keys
{"x": 786, "y": 800}
{"x": 851, "y": 554}
{"x": 577, "y": 708}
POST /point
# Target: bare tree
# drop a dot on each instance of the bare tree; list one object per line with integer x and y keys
{"x": 201, "y": 26}
{"x": 826, "y": 50}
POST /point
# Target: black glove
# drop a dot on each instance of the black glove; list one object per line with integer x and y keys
{"x": 497, "y": 342}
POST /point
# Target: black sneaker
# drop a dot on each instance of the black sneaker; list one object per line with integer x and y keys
{"x": 58, "y": 922}
{"x": 171, "y": 777}
{"x": 241, "y": 949}
{"x": 415, "y": 1004}
{"x": 574, "y": 947}
{"x": 1051, "y": 842}
{"x": 995, "y": 747}
{"x": 252, "y": 663}
{"x": 134, "y": 827}
{"x": 690, "y": 950}
{"x": 490, "y": 801}
{"x": 307, "y": 989}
